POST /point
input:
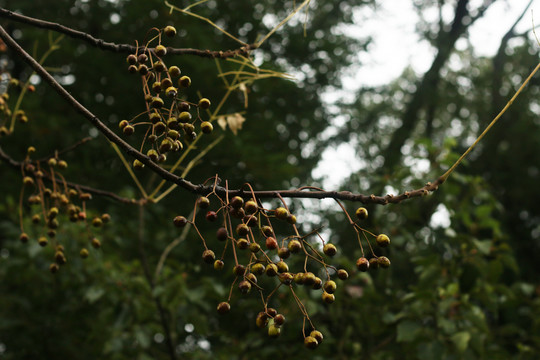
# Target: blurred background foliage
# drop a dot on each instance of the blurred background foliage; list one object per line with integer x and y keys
{"x": 464, "y": 289}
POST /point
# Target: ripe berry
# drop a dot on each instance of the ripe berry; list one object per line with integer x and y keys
{"x": 236, "y": 202}
{"x": 142, "y": 69}
{"x": 174, "y": 71}
{"x": 97, "y": 222}
{"x": 153, "y": 155}
{"x": 211, "y": 216}
{"x": 317, "y": 335}
{"x": 184, "y": 81}
{"x": 271, "y": 312}
{"x": 291, "y": 219}
{"x": 156, "y": 102}
{"x": 223, "y": 308}
{"x": 251, "y": 278}
{"x": 237, "y": 213}
{"x": 279, "y": 319}
{"x": 310, "y": 342}
{"x": 299, "y": 278}
{"x": 42, "y": 241}
{"x": 362, "y": 264}
{"x": 257, "y": 269}
{"x": 343, "y": 274}
{"x": 206, "y": 127}
{"x": 373, "y": 263}
{"x": 254, "y": 247}
{"x": 271, "y": 270}
{"x": 239, "y": 270}
{"x": 218, "y": 265}
{"x": 383, "y": 261}
{"x": 261, "y": 320}
{"x": 165, "y": 83}
{"x": 204, "y": 103}
{"x": 160, "y": 50}
{"x": 383, "y": 240}
{"x": 203, "y": 202}
{"x": 281, "y": 213}
{"x": 244, "y": 286}
{"x": 180, "y": 221}
{"x": 251, "y": 207}
{"x": 96, "y": 243}
{"x": 251, "y": 220}
{"x": 267, "y": 230}
{"x": 53, "y": 268}
{"x": 242, "y": 229}
{"x": 361, "y": 213}
{"x": 137, "y": 164}
{"x": 23, "y": 237}
{"x": 142, "y": 58}
{"x": 294, "y": 246}
{"x": 170, "y": 31}
{"x": 330, "y": 286}
{"x": 317, "y": 284}
{"x": 184, "y": 117}
{"x": 208, "y": 256}
{"x": 309, "y": 279}
{"x": 131, "y": 59}
{"x": 27, "y": 181}
{"x": 330, "y": 249}
{"x": 328, "y": 298}
{"x": 222, "y": 234}
{"x": 159, "y": 66}
{"x": 282, "y": 266}
{"x": 271, "y": 243}
{"x": 171, "y": 91}
{"x": 286, "y": 278}
{"x": 284, "y": 252}
{"x": 242, "y": 243}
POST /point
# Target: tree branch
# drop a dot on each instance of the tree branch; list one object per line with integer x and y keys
{"x": 201, "y": 189}
{"x": 121, "y": 48}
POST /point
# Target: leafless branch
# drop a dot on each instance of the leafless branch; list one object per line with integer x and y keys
{"x": 201, "y": 189}
{"x": 120, "y": 48}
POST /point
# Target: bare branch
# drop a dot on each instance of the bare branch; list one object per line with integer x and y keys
{"x": 201, "y": 189}
{"x": 121, "y": 48}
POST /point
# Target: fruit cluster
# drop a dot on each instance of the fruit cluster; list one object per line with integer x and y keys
{"x": 247, "y": 228}
{"x": 8, "y": 116}
{"x": 168, "y": 116}
{"x": 48, "y": 203}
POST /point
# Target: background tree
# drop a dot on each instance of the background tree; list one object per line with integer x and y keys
{"x": 468, "y": 290}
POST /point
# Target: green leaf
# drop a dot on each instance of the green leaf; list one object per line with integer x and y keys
{"x": 93, "y": 294}
{"x": 461, "y": 340}
{"x": 407, "y": 331}
{"x": 483, "y": 246}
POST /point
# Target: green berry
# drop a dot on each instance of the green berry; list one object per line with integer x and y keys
{"x": 361, "y": 213}
{"x": 330, "y": 249}
{"x": 169, "y": 31}
{"x": 223, "y": 308}
{"x": 310, "y": 342}
{"x": 383, "y": 240}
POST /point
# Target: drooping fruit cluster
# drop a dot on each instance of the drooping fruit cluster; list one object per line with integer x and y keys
{"x": 170, "y": 120}
{"x": 50, "y": 204}
{"x": 363, "y": 263}
{"x": 262, "y": 257}
{"x": 11, "y": 113}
